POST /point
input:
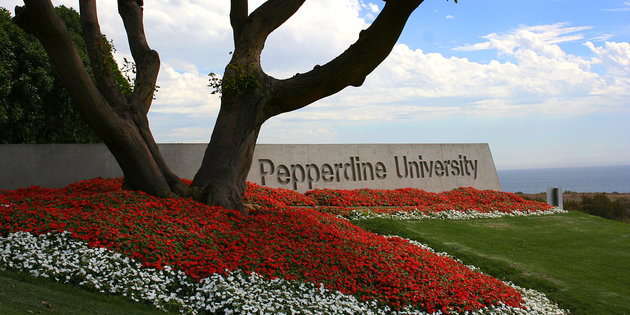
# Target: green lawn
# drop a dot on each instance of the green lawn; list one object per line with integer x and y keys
{"x": 580, "y": 261}
{"x": 23, "y": 294}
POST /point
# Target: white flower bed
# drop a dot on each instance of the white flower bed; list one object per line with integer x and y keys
{"x": 358, "y": 214}
{"x": 64, "y": 259}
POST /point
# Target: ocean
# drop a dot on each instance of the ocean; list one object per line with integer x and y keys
{"x": 578, "y": 179}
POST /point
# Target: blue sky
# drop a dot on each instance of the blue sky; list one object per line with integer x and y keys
{"x": 545, "y": 82}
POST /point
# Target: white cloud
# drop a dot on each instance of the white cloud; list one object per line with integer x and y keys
{"x": 614, "y": 56}
{"x": 374, "y": 8}
{"x": 602, "y": 37}
{"x": 281, "y": 130}
{"x": 530, "y": 37}
{"x": 191, "y": 134}
{"x": 449, "y": 17}
{"x": 184, "y": 92}
{"x": 624, "y": 8}
{"x": 532, "y": 74}
{"x": 317, "y": 33}
{"x": 539, "y": 77}
{"x": 195, "y": 39}
{"x": 198, "y": 31}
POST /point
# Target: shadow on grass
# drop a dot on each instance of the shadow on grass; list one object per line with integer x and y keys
{"x": 23, "y": 294}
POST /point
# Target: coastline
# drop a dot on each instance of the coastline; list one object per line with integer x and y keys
{"x": 577, "y": 196}
{"x": 606, "y": 179}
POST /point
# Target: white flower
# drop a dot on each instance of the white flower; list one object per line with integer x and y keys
{"x": 60, "y": 257}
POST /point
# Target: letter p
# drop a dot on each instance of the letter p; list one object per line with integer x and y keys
{"x": 263, "y": 172}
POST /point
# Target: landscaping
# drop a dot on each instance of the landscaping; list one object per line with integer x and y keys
{"x": 578, "y": 260}
{"x": 293, "y": 252}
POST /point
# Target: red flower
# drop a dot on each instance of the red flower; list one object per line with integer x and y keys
{"x": 282, "y": 239}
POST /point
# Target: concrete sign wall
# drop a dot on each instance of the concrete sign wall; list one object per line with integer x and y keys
{"x": 432, "y": 167}
{"x": 57, "y": 165}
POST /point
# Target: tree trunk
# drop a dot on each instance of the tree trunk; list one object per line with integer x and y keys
{"x": 120, "y": 120}
{"x": 140, "y": 170}
{"x": 146, "y": 169}
{"x": 223, "y": 173}
{"x": 222, "y": 177}
{"x": 249, "y": 98}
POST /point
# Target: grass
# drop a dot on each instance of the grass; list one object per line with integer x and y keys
{"x": 24, "y": 294}
{"x": 582, "y": 262}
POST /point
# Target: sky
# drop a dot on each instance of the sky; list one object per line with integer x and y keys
{"x": 546, "y": 83}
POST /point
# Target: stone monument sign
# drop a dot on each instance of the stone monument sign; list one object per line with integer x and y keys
{"x": 301, "y": 167}
{"x": 431, "y": 167}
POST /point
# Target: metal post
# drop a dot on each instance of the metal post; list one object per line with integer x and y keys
{"x": 554, "y": 197}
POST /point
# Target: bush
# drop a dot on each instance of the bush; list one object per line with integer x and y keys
{"x": 600, "y": 205}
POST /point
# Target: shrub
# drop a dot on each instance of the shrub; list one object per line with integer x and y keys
{"x": 600, "y": 205}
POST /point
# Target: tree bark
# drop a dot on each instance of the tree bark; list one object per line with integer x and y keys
{"x": 229, "y": 154}
{"x": 228, "y": 157}
{"x": 227, "y": 160}
{"x": 117, "y": 119}
{"x": 250, "y": 97}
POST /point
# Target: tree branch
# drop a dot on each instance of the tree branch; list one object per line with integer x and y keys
{"x": 147, "y": 60}
{"x": 238, "y": 17}
{"x": 125, "y": 132}
{"x": 348, "y": 69}
{"x": 262, "y": 22}
{"x": 100, "y": 55}
{"x": 39, "y": 18}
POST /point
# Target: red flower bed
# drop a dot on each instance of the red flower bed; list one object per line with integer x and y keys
{"x": 297, "y": 243}
{"x": 411, "y": 199}
{"x": 372, "y": 198}
{"x": 279, "y": 197}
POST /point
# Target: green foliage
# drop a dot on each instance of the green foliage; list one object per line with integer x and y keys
{"x": 526, "y": 197}
{"x": 128, "y": 70}
{"x": 570, "y": 205}
{"x": 600, "y": 205}
{"x": 239, "y": 80}
{"x": 125, "y": 76}
{"x": 215, "y": 83}
{"x": 34, "y": 105}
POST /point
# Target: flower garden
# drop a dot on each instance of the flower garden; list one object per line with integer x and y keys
{"x": 294, "y": 253}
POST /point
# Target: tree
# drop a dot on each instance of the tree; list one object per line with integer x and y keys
{"x": 34, "y": 105}
{"x": 249, "y": 95}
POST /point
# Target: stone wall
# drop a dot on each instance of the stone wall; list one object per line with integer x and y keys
{"x": 432, "y": 167}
